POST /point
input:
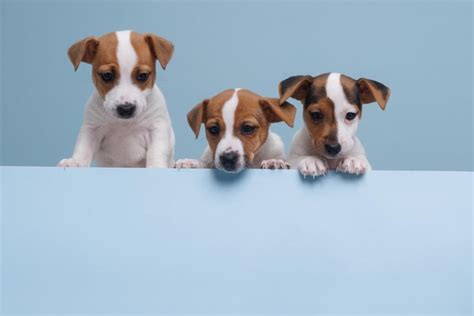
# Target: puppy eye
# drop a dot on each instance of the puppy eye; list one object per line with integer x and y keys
{"x": 107, "y": 76}
{"x": 247, "y": 129}
{"x": 214, "y": 129}
{"x": 350, "y": 116}
{"x": 316, "y": 116}
{"x": 143, "y": 76}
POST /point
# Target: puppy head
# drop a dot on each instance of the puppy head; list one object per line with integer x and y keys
{"x": 333, "y": 107}
{"x": 123, "y": 68}
{"x": 237, "y": 123}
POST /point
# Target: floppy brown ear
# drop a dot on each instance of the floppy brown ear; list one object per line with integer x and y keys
{"x": 196, "y": 116}
{"x": 84, "y": 50}
{"x": 373, "y": 91}
{"x": 294, "y": 87}
{"x": 276, "y": 112}
{"x": 161, "y": 48}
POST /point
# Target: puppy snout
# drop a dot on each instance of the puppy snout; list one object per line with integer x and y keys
{"x": 126, "y": 110}
{"x": 228, "y": 160}
{"x": 332, "y": 149}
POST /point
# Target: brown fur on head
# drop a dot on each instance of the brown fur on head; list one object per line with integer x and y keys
{"x": 237, "y": 123}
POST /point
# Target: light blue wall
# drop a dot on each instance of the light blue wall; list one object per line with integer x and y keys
{"x": 193, "y": 242}
{"x": 422, "y": 50}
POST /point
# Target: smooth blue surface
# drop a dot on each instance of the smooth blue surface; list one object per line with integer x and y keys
{"x": 118, "y": 241}
{"x": 421, "y": 49}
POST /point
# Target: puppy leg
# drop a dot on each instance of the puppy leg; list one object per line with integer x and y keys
{"x": 354, "y": 165}
{"x": 160, "y": 150}
{"x": 272, "y": 153}
{"x": 87, "y": 144}
{"x": 204, "y": 162}
{"x": 356, "y": 161}
{"x": 302, "y": 158}
{"x": 310, "y": 166}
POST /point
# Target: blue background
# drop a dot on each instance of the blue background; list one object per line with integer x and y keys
{"x": 422, "y": 50}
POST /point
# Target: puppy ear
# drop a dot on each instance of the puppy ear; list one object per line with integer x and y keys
{"x": 295, "y": 87}
{"x": 373, "y": 91}
{"x": 196, "y": 116}
{"x": 84, "y": 50}
{"x": 161, "y": 48}
{"x": 276, "y": 112}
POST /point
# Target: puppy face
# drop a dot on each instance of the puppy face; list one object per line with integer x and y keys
{"x": 123, "y": 68}
{"x": 333, "y": 107}
{"x": 237, "y": 123}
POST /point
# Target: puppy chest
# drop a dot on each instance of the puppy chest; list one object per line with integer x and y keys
{"x": 124, "y": 145}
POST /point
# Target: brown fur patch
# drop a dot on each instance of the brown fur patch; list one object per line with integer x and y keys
{"x": 323, "y": 131}
{"x": 145, "y": 61}
{"x": 105, "y": 59}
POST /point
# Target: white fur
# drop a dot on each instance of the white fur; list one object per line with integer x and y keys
{"x": 352, "y": 157}
{"x": 230, "y": 142}
{"x": 146, "y": 140}
{"x": 346, "y": 130}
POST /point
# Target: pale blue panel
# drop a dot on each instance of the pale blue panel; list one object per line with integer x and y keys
{"x": 167, "y": 242}
{"x": 421, "y": 49}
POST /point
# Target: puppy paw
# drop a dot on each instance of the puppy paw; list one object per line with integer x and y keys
{"x": 353, "y": 165}
{"x": 313, "y": 167}
{"x": 71, "y": 163}
{"x": 274, "y": 164}
{"x": 187, "y": 164}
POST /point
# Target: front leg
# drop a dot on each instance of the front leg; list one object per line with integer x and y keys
{"x": 354, "y": 165}
{"x": 204, "y": 162}
{"x": 311, "y": 166}
{"x": 87, "y": 144}
{"x": 272, "y": 154}
{"x": 160, "y": 150}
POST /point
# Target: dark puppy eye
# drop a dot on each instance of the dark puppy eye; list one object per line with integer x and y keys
{"x": 143, "y": 76}
{"x": 316, "y": 116}
{"x": 107, "y": 76}
{"x": 350, "y": 116}
{"x": 247, "y": 129}
{"x": 214, "y": 129}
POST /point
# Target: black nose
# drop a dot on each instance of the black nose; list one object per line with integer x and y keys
{"x": 332, "y": 149}
{"x": 126, "y": 110}
{"x": 228, "y": 160}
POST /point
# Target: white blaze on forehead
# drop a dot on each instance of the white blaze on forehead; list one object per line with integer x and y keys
{"x": 126, "y": 91}
{"x": 126, "y": 56}
{"x": 229, "y": 141}
{"x": 335, "y": 92}
{"x": 228, "y": 113}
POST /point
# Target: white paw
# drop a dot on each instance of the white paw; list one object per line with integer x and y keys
{"x": 274, "y": 164}
{"x": 313, "y": 167}
{"x": 187, "y": 164}
{"x": 71, "y": 163}
{"x": 353, "y": 165}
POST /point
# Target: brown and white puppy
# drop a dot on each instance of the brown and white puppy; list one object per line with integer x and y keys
{"x": 237, "y": 126}
{"x": 332, "y": 109}
{"x": 126, "y": 122}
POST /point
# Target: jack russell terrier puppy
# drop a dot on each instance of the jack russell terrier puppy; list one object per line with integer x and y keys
{"x": 332, "y": 109}
{"x": 126, "y": 122}
{"x": 237, "y": 126}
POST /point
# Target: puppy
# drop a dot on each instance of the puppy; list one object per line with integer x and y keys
{"x": 126, "y": 122}
{"x": 237, "y": 126}
{"x": 332, "y": 109}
